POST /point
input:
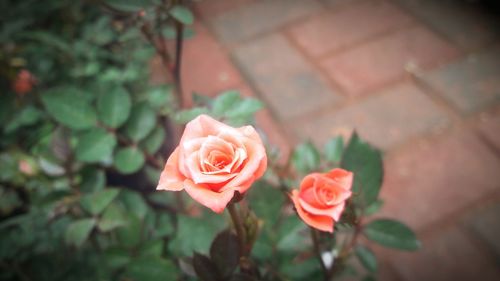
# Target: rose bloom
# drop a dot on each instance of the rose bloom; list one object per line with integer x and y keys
{"x": 321, "y": 198}
{"x": 213, "y": 161}
{"x": 24, "y": 82}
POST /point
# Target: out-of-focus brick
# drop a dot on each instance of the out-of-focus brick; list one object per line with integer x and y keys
{"x": 212, "y": 8}
{"x": 283, "y": 77}
{"x": 353, "y": 24}
{"x": 471, "y": 84}
{"x": 259, "y": 17}
{"x": 485, "y": 223}
{"x": 433, "y": 179}
{"x": 339, "y": 3}
{"x": 384, "y": 119}
{"x": 380, "y": 62}
{"x": 206, "y": 68}
{"x": 490, "y": 128}
{"x": 447, "y": 255}
{"x": 466, "y": 23}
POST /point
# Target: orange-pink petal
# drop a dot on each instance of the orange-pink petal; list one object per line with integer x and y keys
{"x": 170, "y": 178}
{"x": 217, "y": 201}
{"x": 323, "y": 223}
{"x": 342, "y": 177}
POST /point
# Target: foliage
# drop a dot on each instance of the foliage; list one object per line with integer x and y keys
{"x": 81, "y": 151}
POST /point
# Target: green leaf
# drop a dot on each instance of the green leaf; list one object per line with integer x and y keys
{"x": 185, "y": 116}
{"x": 116, "y": 257}
{"x": 366, "y": 164}
{"x": 333, "y": 149}
{"x": 151, "y": 269}
{"x": 263, "y": 248}
{"x": 224, "y": 102}
{"x": 50, "y": 168}
{"x": 129, "y": 5}
{"x": 374, "y": 207}
{"x": 201, "y": 99}
{"x": 96, "y": 202}
{"x": 244, "y": 109}
{"x": 50, "y": 39}
{"x": 154, "y": 140}
{"x": 95, "y": 145}
{"x": 305, "y": 157}
{"x": 78, "y": 231}
{"x": 291, "y": 236}
{"x": 129, "y": 160}
{"x": 93, "y": 179}
{"x": 367, "y": 258}
{"x": 186, "y": 226}
{"x": 29, "y": 115}
{"x": 134, "y": 203}
{"x": 114, "y": 106}
{"x": 299, "y": 269}
{"x": 152, "y": 248}
{"x": 205, "y": 269}
{"x": 159, "y": 96}
{"x": 141, "y": 122}
{"x": 164, "y": 226}
{"x": 130, "y": 235}
{"x": 182, "y": 14}
{"x": 70, "y": 106}
{"x": 113, "y": 216}
{"x": 266, "y": 201}
{"x": 225, "y": 253}
{"x": 392, "y": 234}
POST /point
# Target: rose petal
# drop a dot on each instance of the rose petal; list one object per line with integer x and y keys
{"x": 217, "y": 201}
{"x": 334, "y": 211}
{"x": 254, "y": 168}
{"x": 308, "y": 191}
{"x": 342, "y": 177}
{"x": 199, "y": 177}
{"x": 323, "y": 183}
{"x": 170, "y": 178}
{"x": 323, "y": 223}
{"x": 186, "y": 149}
{"x": 203, "y": 126}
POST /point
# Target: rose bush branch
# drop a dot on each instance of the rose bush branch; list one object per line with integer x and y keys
{"x": 238, "y": 226}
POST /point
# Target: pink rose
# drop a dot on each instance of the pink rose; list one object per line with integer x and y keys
{"x": 321, "y": 198}
{"x": 213, "y": 161}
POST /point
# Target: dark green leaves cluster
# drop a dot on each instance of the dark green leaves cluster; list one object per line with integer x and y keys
{"x": 229, "y": 107}
{"x": 74, "y": 191}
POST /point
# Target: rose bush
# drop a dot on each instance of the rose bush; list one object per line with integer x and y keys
{"x": 84, "y": 138}
{"x": 321, "y": 198}
{"x": 213, "y": 161}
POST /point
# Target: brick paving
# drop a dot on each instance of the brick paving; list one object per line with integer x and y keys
{"x": 470, "y": 84}
{"x": 374, "y": 121}
{"x": 418, "y": 78}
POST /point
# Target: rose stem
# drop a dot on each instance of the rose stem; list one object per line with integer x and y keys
{"x": 315, "y": 239}
{"x": 238, "y": 225}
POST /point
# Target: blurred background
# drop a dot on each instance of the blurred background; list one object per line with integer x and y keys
{"x": 418, "y": 78}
